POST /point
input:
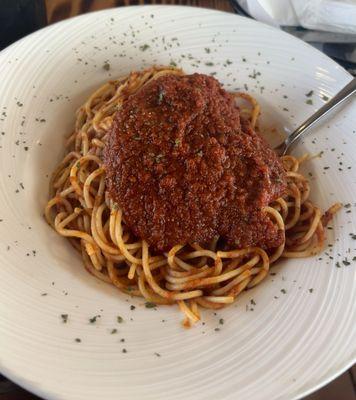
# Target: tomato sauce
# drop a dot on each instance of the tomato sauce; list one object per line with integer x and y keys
{"x": 184, "y": 167}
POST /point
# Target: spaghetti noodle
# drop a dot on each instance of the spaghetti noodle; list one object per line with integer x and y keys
{"x": 189, "y": 275}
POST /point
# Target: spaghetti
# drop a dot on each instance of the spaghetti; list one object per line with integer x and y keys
{"x": 189, "y": 275}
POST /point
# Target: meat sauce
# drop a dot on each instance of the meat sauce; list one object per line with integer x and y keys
{"x": 184, "y": 167}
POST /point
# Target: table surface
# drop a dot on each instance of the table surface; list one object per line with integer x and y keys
{"x": 58, "y": 10}
{"x": 345, "y": 386}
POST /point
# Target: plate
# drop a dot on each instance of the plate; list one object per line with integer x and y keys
{"x": 285, "y": 338}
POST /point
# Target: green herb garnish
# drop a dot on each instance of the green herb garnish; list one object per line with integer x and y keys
{"x": 160, "y": 95}
{"x": 106, "y": 66}
{"x": 158, "y": 158}
{"x": 92, "y": 320}
{"x": 64, "y": 318}
{"x": 144, "y": 47}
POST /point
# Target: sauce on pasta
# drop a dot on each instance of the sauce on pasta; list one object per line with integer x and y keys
{"x": 184, "y": 167}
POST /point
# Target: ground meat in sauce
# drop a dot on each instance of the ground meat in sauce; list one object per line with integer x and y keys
{"x": 184, "y": 167}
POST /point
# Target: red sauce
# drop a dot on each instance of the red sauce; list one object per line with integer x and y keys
{"x": 184, "y": 167}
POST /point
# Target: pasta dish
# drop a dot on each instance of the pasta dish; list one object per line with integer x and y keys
{"x": 168, "y": 191}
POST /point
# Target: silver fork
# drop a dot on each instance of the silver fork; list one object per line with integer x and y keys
{"x": 339, "y": 98}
